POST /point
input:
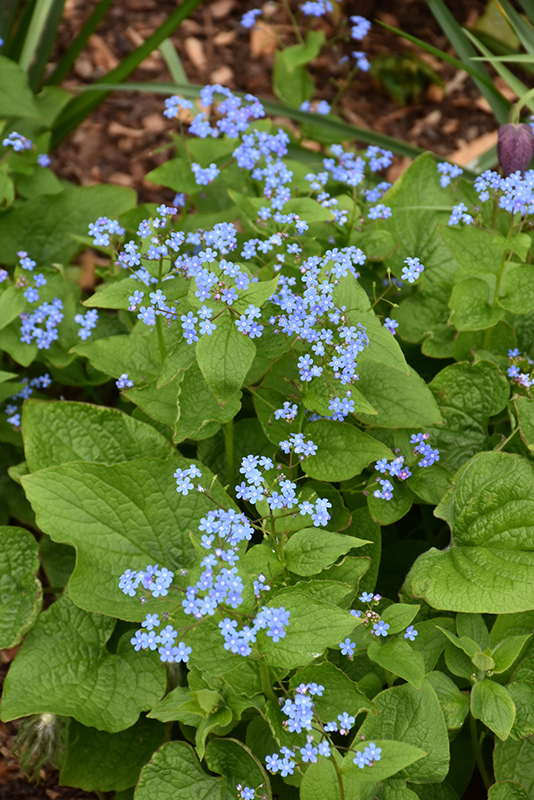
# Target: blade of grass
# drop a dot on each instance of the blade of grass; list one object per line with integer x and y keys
{"x": 80, "y": 107}
{"x": 518, "y": 24}
{"x": 46, "y": 44}
{"x": 8, "y": 15}
{"x": 514, "y": 83}
{"x": 17, "y": 36}
{"x": 465, "y": 50}
{"x": 172, "y": 59}
{"x": 456, "y": 62}
{"x": 345, "y": 130}
{"x": 528, "y": 8}
{"x": 35, "y": 31}
{"x": 69, "y": 57}
{"x": 516, "y": 58}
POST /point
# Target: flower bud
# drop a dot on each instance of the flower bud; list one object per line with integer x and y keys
{"x": 515, "y": 147}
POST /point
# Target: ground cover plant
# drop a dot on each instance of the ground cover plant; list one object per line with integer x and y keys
{"x": 277, "y": 471}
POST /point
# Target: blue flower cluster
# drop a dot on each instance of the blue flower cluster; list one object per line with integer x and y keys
{"x": 124, "y": 382}
{"x": 412, "y": 272}
{"x": 248, "y": 20}
{"x": 102, "y": 229}
{"x": 48, "y": 315}
{"x": 397, "y": 469}
{"x": 514, "y": 370}
{"x": 447, "y": 172}
{"x": 17, "y": 141}
{"x": 516, "y": 191}
{"x": 391, "y": 325}
{"x": 459, "y": 213}
{"x": 301, "y": 716}
{"x": 87, "y": 321}
{"x": 316, "y": 8}
{"x": 12, "y": 409}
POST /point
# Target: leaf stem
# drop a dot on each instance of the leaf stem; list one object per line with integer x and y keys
{"x": 229, "y": 450}
{"x": 339, "y": 778}
{"x": 478, "y": 752}
{"x": 265, "y": 682}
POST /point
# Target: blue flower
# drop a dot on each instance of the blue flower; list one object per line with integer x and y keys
{"x": 347, "y": 647}
{"x": 381, "y": 628}
{"x": 411, "y": 633}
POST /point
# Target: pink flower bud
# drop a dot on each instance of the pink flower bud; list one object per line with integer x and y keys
{"x": 515, "y": 147}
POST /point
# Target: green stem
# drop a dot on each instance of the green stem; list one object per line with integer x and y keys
{"x": 478, "y": 752}
{"x": 161, "y": 343}
{"x": 265, "y": 682}
{"x": 293, "y": 21}
{"x": 339, "y": 778}
{"x": 505, "y": 442}
{"x": 229, "y": 449}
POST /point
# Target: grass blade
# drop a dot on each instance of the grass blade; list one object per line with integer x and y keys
{"x": 516, "y": 58}
{"x": 518, "y": 24}
{"x": 35, "y": 31}
{"x": 70, "y": 55}
{"x": 528, "y": 9}
{"x": 514, "y": 83}
{"x": 46, "y": 44}
{"x": 172, "y": 59}
{"x": 80, "y": 107}
{"x": 466, "y": 51}
{"x": 17, "y": 35}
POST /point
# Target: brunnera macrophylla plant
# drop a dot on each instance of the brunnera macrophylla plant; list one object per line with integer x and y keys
{"x": 277, "y": 470}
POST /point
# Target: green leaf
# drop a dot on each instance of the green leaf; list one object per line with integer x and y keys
{"x": 225, "y": 358}
{"x": 507, "y": 790}
{"x": 396, "y": 756}
{"x": 343, "y": 451}
{"x": 59, "y": 432}
{"x": 522, "y": 693}
{"x": 137, "y": 355}
{"x": 21, "y": 593}
{"x": 525, "y": 417}
{"x": 386, "y": 512}
{"x": 106, "y": 762}
{"x": 435, "y": 791}
{"x": 158, "y": 403}
{"x": 179, "y": 705}
{"x": 514, "y": 761}
{"x": 399, "y": 616}
{"x": 198, "y": 408}
{"x": 237, "y": 764}
{"x": 292, "y": 83}
{"x": 16, "y": 97}
{"x": 320, "y": 782}
{"x": 44, "y": 227}
{"x": 310, "y": 550}
{"x": 507, "y": 651}
{"x": 397, "y": 657}
{"x": 121, "y": 516}
{"x": 175, "y": 769}
{"x": 430, "y": 641}
{"x": 63, "y": 667}
{"x": 519, "y": 244}
{"x": 474, "y": 249}
{"x": 489, "y": 567}
{"x": 176, "y": 174}
{"x": 453, "y": 702}
{"x": 473, "y": 626}
{"x": 517, "y": 292}
{"x": 114, "y": 295}
{"x": 12, "y": 302}
{"x": 493, "y": 704}
{"x": 470, "y": 304}
{"x": 313, "y": 626}
{"x": 413, "y": 717}
{"x": 467, "y": 396}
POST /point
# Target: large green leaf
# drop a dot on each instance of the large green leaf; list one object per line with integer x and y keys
{"x": 514, "y": 761}
{"x": 20, "y": 590}
{"x": 63, "y": 667}
{"x": 517, "y": 290}
{"x": 225, "y": 358}
{"x": 199, "y": 409}
{"x": 137, "y": 355}
{"x": 471, "y": 306}
{"x": 310, "y": 550}
{"x": 175, "y": 771}
{"x": 106, "y": 762}
{"x": 473, "y": 248}
{"x": 59, "y": 432}
{"x": 313, "y": 626}
{"x": 12, "y": 302}
{"x": 489, "y": 567}
{"x": 525, "y": 417}
{"x": 507, "y": 790}
{"x": 43, "y": 224}
{"x": 397, "y": 657}
{"x": 122, "y": 516}
{"x": 343, "y": 451}
{"x": 16, "y": 97}
{"x": 493, "y": 704}
{"x": 414, "y": 717}
{"x": 453, "y": 702}
{"x": 467, "y": 395}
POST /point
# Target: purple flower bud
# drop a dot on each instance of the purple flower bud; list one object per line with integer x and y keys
{"x": 515, "y": 147}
